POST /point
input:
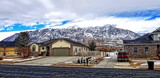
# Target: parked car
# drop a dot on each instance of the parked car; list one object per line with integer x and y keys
{"x": 122, "y": 56}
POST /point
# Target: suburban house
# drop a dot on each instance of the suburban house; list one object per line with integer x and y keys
{"x": 58, "y": 47}
{"x": 8, "y": 48}
{"x": 144, "y": 46}
{"x": 54, "y": 47}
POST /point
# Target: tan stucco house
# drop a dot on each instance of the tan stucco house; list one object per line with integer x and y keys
{"x": 58, "y": 47}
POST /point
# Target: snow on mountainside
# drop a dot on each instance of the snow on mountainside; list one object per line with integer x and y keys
{"x": 107, "y": 32}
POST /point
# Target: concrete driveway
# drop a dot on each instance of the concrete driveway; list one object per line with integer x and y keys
{"x": 48, "y": 61}
{"x": 111, "y": 62}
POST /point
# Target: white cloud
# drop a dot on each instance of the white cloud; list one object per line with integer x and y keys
{"x": 6, "y": 34}
{"x": 81, "y": 12}
{"x": 133, "y": 24}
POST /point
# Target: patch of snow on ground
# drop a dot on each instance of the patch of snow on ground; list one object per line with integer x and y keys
{"x": 107, "y": 57}
{"x": 157, "y": 63}
{"x": 21, "y": 59}
{"x": 67, "y": 62}
{"x": 8, "y": 59}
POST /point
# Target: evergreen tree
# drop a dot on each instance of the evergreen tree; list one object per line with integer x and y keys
{"x": 22, "y": 42}
{"x": 92, "y": 46}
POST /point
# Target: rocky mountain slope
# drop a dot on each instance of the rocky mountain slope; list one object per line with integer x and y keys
{"x": 107, "y": 32}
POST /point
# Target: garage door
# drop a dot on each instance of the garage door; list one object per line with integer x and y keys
{"x": 61, "y": 52}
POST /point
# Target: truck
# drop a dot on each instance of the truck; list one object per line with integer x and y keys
{"x": 122, "y": 56}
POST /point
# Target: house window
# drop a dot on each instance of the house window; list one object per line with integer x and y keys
{"x": 33, "y": 48}
{"x": 76, "y": 50}
{"x": 135, "y": 49}
{"x": 79, "y": 49}
{"x": 43, "y": 48}
{"x": 146, "y": 49}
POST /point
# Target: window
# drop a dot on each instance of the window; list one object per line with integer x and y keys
{"x": 33, "y": 48}
{"x": 75, "y": 49}
{"x": 43, "y": 48}
{"x": 135, "y": 49}
{"x": 146, "y": 49}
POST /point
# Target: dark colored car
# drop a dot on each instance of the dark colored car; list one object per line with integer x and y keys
{"x": 122, "y": 56}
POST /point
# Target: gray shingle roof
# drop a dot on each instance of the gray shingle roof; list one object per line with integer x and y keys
{"x": 145, "y": 39}
{"x": 7, "y": 43}
{"x": 46, "y": 43}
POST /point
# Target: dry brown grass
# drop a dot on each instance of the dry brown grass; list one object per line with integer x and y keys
{"x": 155, "y": 58}
{"x": 134, "y": 65}
{"x": 6, "y": 62}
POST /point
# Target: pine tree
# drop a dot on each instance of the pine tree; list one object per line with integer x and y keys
{"x": 92, "y": 46}
{"x": 22, "y": 42}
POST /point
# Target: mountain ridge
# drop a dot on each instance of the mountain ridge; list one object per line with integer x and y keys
{"x": 106, "y": 32}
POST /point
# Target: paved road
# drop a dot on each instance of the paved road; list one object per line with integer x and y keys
{"x": 12, "y": 71}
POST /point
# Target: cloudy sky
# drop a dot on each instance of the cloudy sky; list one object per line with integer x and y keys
{"x": 140, "y": 16}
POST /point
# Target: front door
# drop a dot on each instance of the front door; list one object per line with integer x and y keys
{"x": 47, "y": 51}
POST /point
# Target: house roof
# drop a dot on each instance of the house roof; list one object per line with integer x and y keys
{"x": 7, "y": 43}
{"x": 156, "y": 31}
{"x": 46, "y": 43}
{"x": 75, "y": 43}
{"x": 145, "y": 39}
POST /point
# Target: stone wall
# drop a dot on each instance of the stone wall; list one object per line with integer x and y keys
{"x": 141, "y": 51}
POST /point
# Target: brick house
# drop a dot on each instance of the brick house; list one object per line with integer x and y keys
{"x": 145, "y": 46}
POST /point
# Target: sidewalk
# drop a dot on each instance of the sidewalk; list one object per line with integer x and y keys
{"x": 106, "y": 63}
{"x": 123, "y": 65}
{"x": 112, "y": 63}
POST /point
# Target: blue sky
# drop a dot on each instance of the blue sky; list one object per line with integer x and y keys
{"x": 150, "y": 14}
{"x": 140, "y": 16}
{"x": 147, "y": 15}
{"x": 21, "y": 27}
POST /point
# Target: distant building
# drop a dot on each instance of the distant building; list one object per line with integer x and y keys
{"x": 144, "y": 46}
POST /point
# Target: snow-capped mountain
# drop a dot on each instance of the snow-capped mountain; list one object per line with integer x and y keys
{"x": 107, "y": 32}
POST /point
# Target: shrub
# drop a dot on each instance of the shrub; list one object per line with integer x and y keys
{"x": 1, "y": 58}
{"x": 24, "y": 52}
